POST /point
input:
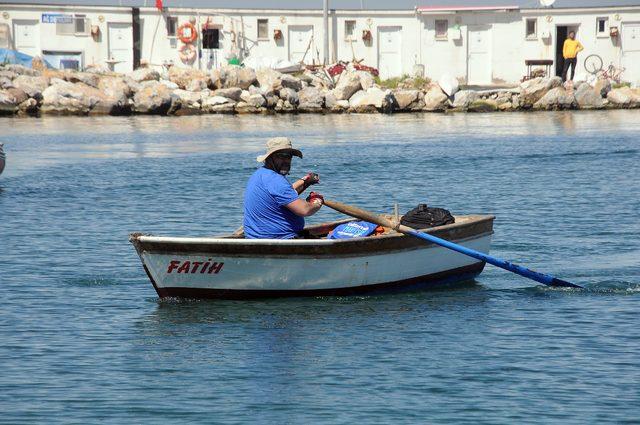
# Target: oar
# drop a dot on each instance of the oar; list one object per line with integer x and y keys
{"x": 522, "y": 271}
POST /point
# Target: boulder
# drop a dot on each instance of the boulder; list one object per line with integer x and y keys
{"x": 5, "y": 73}
{"x": 33, "y": 86}
{"x": 233, "y": 76}
{"x": 464, "y": 98}
{"x": 230, "y": 93}
{"x": 330, "y": 100}
{"x": 271, "y": 101}
{"x": 371, "y": 100}
{"x": 340, "y": 106}
{"x": 483, "y": 105}
{"x": 291, "y": 82}
{"x": 435, "y": 99}
{"x": 83, "y": 77}
{"x": 29, "y": 106}
{"x": 98, "y": 69}
{"x": 21, "y": 70}
{"x": 184, "y": 78}
{"x": 168, "y": 84}
{"x": 289, "y": 95}
{"x": 153, "y": 99}
{"x": 366, "y": 79}
{"x": 623, "y": 97}
{"x": 404, "y": 98}
{"x": 218, "y": 104}
{"x": 602, "y": 86}
{"x": 115, "y": 88}
{"x": 189, "y": 99}
{"x": 8, "y": 103}
{"x": 144, "y": 74}
{"x": 256, "y": 100}
{"x": 348, "y": 84}
{"x": 311, "y": 100}
{"x": 506, "y": 106}
{"x": 556, "y": 98}
{"x": 5, "y": 83}
{"x": 533, "y": 90}
{"x": 65, "y": 98}
{"x": 247, "y": 108}
{"x": 588, "y": 97}
{"x": 268, "y": 79}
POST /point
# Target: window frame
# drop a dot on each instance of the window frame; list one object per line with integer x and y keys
{"x": 172, "y": 20}
{"x": 349, "y": 36}
{"x": 86, "y": 23}
{"x": 605, "y": 32}
{"x": 444, "y": 35}
{"x": 263, "y": 21}
{"x": 534, "y": 35}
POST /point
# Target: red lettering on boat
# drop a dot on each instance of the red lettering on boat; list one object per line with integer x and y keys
{"x": 184, "y": 268}
{"x": 194, "y": 266}
{"x": 173, "y": 265}
{"x": 215, "y": 268}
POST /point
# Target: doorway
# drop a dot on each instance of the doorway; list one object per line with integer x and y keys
{"x": 301, "y": 47}
{"x": 212, "y": 47}
{"x": 389, "y": 52}
{"x": 562, "y": 31}
{"x": 479, "y": 55}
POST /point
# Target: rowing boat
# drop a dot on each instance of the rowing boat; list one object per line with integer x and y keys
{"x": 232, "y": 267}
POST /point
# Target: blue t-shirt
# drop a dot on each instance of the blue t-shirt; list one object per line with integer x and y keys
{"x": 265, "y": 213}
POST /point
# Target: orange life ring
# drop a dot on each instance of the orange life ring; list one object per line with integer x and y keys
{"x": 187, "y": 53}
{"x": 187, "y": 33}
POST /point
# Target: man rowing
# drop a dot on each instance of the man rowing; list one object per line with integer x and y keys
{"x": 272, "y": 209}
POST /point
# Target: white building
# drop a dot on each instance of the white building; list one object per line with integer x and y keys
{"x": 481, "y": 43}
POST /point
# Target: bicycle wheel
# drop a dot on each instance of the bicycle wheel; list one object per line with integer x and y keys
{"x": 593, "y": 64}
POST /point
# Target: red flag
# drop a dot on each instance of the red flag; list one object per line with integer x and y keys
{"x": 159, "y": 4}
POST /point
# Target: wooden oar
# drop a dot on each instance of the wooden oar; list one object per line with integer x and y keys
{"x": 522, "y": 271}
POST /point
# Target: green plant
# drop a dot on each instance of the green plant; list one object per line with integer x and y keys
{"x": 620, "y": 85}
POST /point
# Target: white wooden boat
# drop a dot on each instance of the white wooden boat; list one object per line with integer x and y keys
{"x": 231, "y": 267}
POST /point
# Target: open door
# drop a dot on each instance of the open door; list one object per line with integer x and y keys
{"x": 562, "y": 32}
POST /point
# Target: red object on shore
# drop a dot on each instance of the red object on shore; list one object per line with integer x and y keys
{"x": 159, "y": 4}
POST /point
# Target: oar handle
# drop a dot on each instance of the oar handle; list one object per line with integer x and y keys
{"x": 507, "y": 265}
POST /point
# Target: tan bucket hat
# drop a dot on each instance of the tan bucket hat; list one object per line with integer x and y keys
{"x": 276, "y": 144}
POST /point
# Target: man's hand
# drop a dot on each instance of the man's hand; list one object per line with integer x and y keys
{"x": 315, "y": 198}
{"x": 310, "y": 179}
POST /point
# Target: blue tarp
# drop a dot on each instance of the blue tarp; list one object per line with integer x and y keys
{"x": 17, "y": 58}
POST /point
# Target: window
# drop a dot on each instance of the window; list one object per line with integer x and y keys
{"x": 211, "y": 38}
{"x": 532, "y": 29}
{"x": 80, "y": 24}
{"x": 442, "y": 27}
{"x": 601, "y": 26}
{"x": 263, "y": 29}
{"x": 172, "y": 25}
{"x": 349, "y": 30}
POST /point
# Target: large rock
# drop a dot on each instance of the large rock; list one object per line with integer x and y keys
{"x": 83, "y": 77}
{"x": 21, "y": 70}
{"x": 115, "y": 88}
{"x": 218, "y": 105}
{"x": 602, "y": 86}
{"x": 7, "y": 74}
{"x": 65, "y": 98}
{"x": 588, "y": 97}
{"x": 190, "y": 99}
{"x": 248, "y": 108}
{"x": 144, "y": 74}
{"x": 311, "y": 100}
{"x": 371, "y": 100}
{"x": 230, "y": 93}
{"x": 404, "y": 98}
{"x": 448, "y": 84}
{"x": 269, "y": 79}
{"x": 464, "y": 98}
{"x": 33, "y": 86}
{"x": 153, "y": 99}
{"x": 289, "y": 95}
{"x": 533, "y": 90}
{"x": 233, "y": 76}
{"x": 9, "y": 101}
{"x": 256, "y": 100}
{"x": 366, "y": 79}
{"x": 5, "y": 83}
{"x": 483, "y": 105}
{"x": 291, "y": 82}
{"x": 623, "y": 97}
{"x": 435, "y": 99}
{"x": 185, "y": 77}
{"x": 348, "y": 84}
{"x": 556, "y": 98}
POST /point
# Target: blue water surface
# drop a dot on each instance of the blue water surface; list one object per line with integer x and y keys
{"x": 85, "y": 339}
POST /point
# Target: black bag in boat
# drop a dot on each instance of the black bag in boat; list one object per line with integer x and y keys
{"x": 422, "y": 217}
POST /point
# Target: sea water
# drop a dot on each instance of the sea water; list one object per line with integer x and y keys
{"x": 85, "y": 339}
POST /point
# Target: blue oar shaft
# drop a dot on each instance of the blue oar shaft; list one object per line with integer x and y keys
{"x": 503, "y": 264}
{"x": 522, "y": 271}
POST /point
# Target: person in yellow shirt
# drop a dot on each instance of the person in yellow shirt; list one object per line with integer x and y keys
{"x": 570, "y": 51}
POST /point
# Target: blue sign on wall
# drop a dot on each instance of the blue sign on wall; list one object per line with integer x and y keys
{"x": 56, "y": 18}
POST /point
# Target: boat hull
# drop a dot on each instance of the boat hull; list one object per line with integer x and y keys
{"x": 245, "y": 269}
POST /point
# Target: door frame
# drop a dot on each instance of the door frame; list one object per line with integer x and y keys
{"x": 399, "y": 30}
{"x": 312, "y": 40}
{"x": 489, "y": 53}
{"x": 570, "y": 26}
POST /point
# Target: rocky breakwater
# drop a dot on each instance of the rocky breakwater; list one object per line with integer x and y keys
{"x": 239, "y": 90}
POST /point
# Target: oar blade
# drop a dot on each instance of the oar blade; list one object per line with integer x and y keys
{"x": 563, "y": 284}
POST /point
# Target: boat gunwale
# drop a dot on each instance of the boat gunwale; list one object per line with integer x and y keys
{"x": 227, "y": 240}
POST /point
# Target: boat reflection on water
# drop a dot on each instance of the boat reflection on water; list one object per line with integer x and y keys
{"x": 2, "y": 158}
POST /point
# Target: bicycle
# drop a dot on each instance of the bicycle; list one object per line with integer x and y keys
{"x": 593, "y": 65}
